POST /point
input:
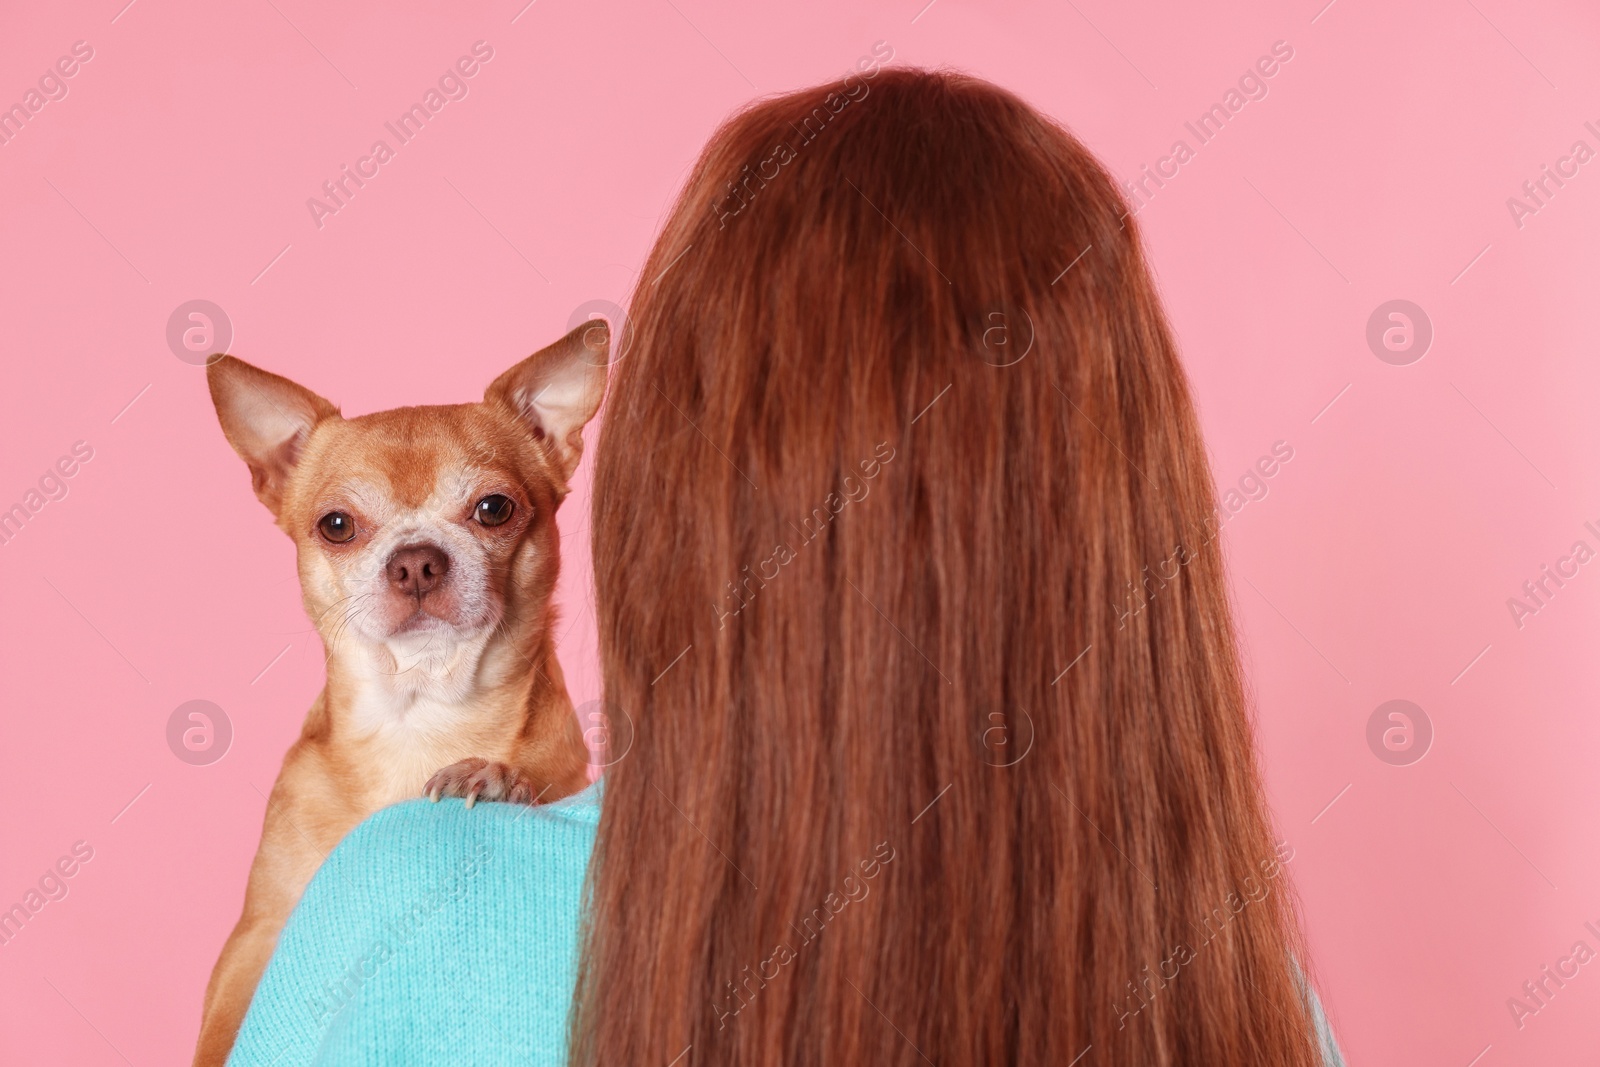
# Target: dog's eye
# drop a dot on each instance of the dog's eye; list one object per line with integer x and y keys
{"x": 337, "y": 527}
{"x": 494, "y": 510}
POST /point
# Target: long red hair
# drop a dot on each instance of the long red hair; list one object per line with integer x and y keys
{"x": 907, "y": 585}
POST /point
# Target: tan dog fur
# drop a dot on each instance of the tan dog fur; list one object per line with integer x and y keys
{"x": 465, "y": 678}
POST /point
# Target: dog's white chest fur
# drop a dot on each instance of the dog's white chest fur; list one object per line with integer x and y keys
{"x": 415, "y": 704}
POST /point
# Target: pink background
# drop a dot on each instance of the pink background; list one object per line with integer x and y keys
{"x": 1378, "y": 566}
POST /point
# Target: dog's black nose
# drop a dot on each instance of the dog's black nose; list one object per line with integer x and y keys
{"x": 417, "y": 570}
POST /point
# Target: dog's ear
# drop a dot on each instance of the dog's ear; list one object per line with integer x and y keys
{"x": 266, "y": 419}
{"x": 558, "y": 389}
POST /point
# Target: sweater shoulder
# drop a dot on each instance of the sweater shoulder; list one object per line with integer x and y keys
{"x": 412, "y": 838}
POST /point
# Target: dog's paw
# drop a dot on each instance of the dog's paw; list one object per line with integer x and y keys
{"x": 480, "y": 779}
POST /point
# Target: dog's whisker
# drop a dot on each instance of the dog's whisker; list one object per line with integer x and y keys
{"x": 359, "y": 609}
{"x": 336, "y": 603}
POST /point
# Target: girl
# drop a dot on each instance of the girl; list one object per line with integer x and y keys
{"x": 907, "y": 587}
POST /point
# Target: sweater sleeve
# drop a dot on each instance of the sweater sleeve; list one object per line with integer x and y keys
{"x": 1331, "y": 1056}
{"x": 431, "y": 929}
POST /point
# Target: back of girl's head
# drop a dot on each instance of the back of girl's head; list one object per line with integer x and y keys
{"x": 903, "y": 542}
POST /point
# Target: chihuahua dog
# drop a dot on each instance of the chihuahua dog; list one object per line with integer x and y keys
{"x": 428, "y": 552}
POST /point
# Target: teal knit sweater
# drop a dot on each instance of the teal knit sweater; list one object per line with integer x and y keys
{"x": 434, "y": 934}
{"x": 438, "y": 934}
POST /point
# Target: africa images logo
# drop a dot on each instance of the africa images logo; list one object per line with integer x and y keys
{"x": 452, "y": 85}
